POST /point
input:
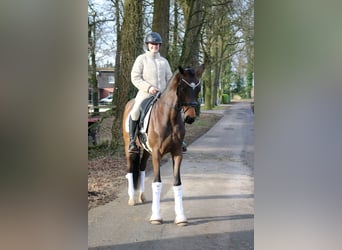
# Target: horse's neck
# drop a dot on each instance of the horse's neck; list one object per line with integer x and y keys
{"x": 169, "y": 98}
{"x": 168, "y": 103}
{"x": 169, "y": 95}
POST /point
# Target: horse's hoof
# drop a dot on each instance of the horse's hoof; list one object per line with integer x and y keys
{"x": 181, "y": 221}
{"x": 142, "y": 198}
{"x": 156, "y": 222}
{"x": 131, "y": 202}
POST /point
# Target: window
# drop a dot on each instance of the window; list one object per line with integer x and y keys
{"x": 111, "y": 79}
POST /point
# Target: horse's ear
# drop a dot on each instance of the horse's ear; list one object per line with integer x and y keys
{"x": 200, "y": 70}
{"x": 181, "y": 70}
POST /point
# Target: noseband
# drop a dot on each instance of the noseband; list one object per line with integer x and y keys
{"x": 193, "y": 86}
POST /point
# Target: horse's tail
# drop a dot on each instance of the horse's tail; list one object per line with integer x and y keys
{"x": 136, "y": 169}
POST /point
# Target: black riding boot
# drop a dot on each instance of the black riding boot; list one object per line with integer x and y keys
{"x": 132, "y": 136}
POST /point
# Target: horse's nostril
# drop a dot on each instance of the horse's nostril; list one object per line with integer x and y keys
{"x": 189, "y": 119}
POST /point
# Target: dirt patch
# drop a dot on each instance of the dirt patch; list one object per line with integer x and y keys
{"x": 106, "y": 175}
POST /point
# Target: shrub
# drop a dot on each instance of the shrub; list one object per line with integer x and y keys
{"x": 225, "y": 99}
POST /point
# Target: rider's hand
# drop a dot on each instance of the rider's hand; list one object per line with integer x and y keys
{"x": 152, "y": 90}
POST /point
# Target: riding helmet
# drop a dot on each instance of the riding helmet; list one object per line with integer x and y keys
{"x": 153, "y": 37}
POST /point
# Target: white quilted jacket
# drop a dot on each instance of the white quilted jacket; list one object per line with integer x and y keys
{"x": 150, "y": 69}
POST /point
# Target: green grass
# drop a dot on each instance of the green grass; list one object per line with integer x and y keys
{"x": 214, "y": 108}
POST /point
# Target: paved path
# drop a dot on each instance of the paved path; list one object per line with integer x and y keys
{"x": 218, "y": 187}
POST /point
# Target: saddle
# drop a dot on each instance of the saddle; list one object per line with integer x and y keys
{"x": 145, "y": 111}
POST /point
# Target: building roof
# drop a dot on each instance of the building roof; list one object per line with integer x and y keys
{"x": 106, "y": 69}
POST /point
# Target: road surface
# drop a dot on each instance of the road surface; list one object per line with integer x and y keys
{"x": 218, "y": 196}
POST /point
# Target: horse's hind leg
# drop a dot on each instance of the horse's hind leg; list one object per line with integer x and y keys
{"x": 129, "y": 177}
{"x": 143, "y": 163}
{"x": 132, "y": 176}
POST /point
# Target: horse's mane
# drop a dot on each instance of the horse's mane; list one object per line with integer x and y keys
{"x": 173, "y": 82}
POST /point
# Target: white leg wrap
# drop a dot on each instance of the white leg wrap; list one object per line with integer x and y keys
{"x": 142, "y": 181}
{"x": 129, "y": 177}
{"x": 156, "y": 190}
{"x": 178, "y": 194}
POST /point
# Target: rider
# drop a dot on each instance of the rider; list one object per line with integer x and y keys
{"x": 150, "y": 74}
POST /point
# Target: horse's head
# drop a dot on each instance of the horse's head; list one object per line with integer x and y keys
{"x": 188, "y": 89}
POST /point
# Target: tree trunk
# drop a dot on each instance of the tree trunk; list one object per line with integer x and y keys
{"x": 193, "y": 16}
{"x": 131, "y": 47}
{"x": 208, "y": 89}
{"x": 92, "y": 68}
{"x": 118, "y": 46}
{"x": 161, "y": 23}
{"x": 174, "y": 50}
{"x": 214, "y": 101}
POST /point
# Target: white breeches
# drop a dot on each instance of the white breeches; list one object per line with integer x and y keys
{"x": 140, "y": 97}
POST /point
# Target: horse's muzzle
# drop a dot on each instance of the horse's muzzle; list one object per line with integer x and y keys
{"x": 190, "y": 112}
{"x": 190, "y": 104}
{"x": 189, "y": 119}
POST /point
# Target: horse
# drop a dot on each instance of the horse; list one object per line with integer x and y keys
{"x": 165, "y": 134}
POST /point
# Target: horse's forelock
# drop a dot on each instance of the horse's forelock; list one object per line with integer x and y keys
{"x": 189, "y": 71}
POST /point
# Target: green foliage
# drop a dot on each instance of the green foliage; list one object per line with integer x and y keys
{"x": 225, "y": 99}
{"x": 249, "y": 83}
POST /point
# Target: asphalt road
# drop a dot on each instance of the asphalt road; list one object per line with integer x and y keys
{"x": 218, "y": 196}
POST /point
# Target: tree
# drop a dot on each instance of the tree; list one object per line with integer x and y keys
{"x": 131, "y": 47}
{"x": 97, "y": 29}
{"x": 161, "y": 23}
{"x": 193, "y": 24}
{"x": 117, "y": 69}
{"x": 92, "y": 64}
{"x": 249, "y": 37}
{"x": 215, "y": 44}
{"x": 174, "y": 45}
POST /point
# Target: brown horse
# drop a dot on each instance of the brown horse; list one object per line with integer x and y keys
{"x": 165, "y": 134}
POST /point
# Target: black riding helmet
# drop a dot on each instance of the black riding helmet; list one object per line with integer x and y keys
{"x": 153, "y": 37}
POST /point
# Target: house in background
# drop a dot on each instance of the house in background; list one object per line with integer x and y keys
{"x": 105, "y": 83}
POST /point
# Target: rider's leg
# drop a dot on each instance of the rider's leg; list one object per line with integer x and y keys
{"x": 133, "y": 120}
{"x": 132, "y": 135}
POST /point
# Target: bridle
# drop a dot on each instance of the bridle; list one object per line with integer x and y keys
{"x": 193, "y": 86}
{"x": 184, "y": 106}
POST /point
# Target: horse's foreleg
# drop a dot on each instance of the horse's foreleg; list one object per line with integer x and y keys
{"x": 176, "y": 163}
{"x": 156, "y": 190}
{"x": 178, "y": 192}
